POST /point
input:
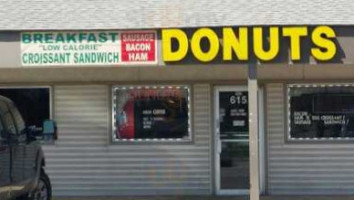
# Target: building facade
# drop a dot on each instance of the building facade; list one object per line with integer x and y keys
{"x": 165, "y": 107}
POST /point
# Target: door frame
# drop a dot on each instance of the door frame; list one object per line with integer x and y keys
{"x": 262, "y": 148}
{"x": 217, "y": 141}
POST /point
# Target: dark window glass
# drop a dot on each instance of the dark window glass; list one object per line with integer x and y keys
{"x": 151, "y": 113}
{"x": 32, "y": 103}
{"x": 4, "y": 113}
{"x": 321, "y": 112}
{"x": 6, "y": 116}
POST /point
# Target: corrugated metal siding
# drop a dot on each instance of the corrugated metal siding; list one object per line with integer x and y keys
{"x": 322, "y": 168}
{"x": 84, "y": 162}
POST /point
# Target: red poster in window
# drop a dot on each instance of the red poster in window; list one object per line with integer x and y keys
{"x": 125, "y": 123}
{"x": 151, "y": 113}
{"x": 139, "y": 47}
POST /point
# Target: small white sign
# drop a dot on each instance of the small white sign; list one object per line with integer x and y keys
{"x": 238, "y": 123}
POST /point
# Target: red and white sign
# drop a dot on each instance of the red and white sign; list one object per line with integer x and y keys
{"x": 139, "y": 47}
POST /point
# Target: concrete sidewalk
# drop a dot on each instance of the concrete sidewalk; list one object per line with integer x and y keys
{"x": 156, "y": 198}
{"x": 307, "y": 197}
{"x": 210, "y": 198}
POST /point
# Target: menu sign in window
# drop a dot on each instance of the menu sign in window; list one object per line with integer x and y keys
{"x": 321, "y": 112}
{"x": 233, "y": 108}
{"x": 151, "y": 113}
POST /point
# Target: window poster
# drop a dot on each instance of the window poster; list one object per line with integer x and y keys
{"x": 152, "y": 113}
{"x": 233, "y": 108}
{"x": 321, "y": 112}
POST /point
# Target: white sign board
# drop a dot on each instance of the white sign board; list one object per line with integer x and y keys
{"x": 88, "y": 48}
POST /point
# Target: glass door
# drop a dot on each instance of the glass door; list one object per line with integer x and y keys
{"x": 232, "y": 141}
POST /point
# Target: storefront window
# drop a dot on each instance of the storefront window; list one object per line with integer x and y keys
{"x": 33, "y": 104}
{"x": 143, "y": 113}
{"x": 321, "y": 111}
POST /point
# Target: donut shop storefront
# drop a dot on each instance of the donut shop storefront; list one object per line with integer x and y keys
{"x": 197, "y": 111}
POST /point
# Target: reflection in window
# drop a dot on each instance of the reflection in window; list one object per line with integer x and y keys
{"x": 30, "y": 106}
{"x": 33, "y": 103}
{"x": 151, "y": 113}
{"x": 321, "y": 111}
{"x": 6, "y": 116}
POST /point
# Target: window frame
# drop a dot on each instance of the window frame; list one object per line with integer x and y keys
{"x": 288, "y": 113}
{"x": 188, "y": 140}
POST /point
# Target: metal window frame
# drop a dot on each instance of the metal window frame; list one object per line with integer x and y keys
{"x": 148, "y": 140}
{"x": 288, "y": 111}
